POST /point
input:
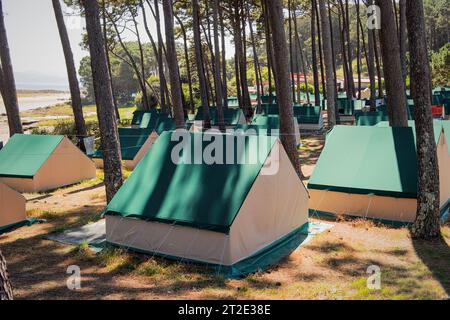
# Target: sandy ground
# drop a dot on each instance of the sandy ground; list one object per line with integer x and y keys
{"x": 332, "y": 266}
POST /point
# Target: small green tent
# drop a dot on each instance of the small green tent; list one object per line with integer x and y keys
{"x": 33, "y": 163}
{"x": 145, "y": 119}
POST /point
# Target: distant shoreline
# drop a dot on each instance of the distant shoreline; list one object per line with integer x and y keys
{"x": 33, "y": 99}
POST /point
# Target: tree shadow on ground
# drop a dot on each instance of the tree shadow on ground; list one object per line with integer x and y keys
{"x": 436, "y": 256}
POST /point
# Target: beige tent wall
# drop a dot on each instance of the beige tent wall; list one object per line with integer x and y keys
{"x": 444, "y": 169}
{"x": 362, "y": 205}
{"x": 276, "y": 205}
{"x": 266, "y": 215}
{"x": 19, "y": 184}
{"x": 174, "y": 240}
{"x": 12, "y": 206}
{"x": 65, "y": 166}
{"x": 131, "y": 164}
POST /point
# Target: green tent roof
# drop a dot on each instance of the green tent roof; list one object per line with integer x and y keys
{"x": 145, "y": 119}
{"x": 307, "y": 114}
{"x": 131, "y": 141}
{"x": 437, "y": 124}
{"x": 378, "y": 160}
{"x": 231, "y": 115}
{"x": 23, "y": 155}
{"x": 196, "y": 195}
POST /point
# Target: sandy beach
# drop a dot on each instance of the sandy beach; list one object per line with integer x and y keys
{"x": 28, "y": 103}
{"x": 38, "y": 101}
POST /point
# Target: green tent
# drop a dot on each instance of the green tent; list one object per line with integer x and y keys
{"x": 33, "y": 163}
{"x": 308, "y": 117}
{"x": 224, "y": 217}
{"x": 370, "y": 172}
{"x": 24, "y": 155}
{"x": 145, "y": 119}
{"x": 232, "y": 116}
{"x": 131, "y": 141}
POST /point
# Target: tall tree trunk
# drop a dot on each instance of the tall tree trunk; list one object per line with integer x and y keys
{"x": 162, "y": 77}
{"x": 188, "y": 64}
{"x": 349, "y": 51}
{"x": 217, "y": 76}
{"x": 378, "y": 64}
{"x": 142, "y": 59}
{"x": 268, "y": 46}
{"x": 105, "y": 106}
{"x": 175, "y": 85}
{"x": 224, "y": 60}
{"x": 321, "y": 58}
{"x": 328, "y": 57}
{"x": 358, "y": 48}
{"x": 402, "y": 37}
{"x": 199, "y": 63}
{"x": 255, "y": 58}
{"x": 426, "y": 225}
{"x": 239, "y": 39}
{"x": 284, "y": 98}
{"x": 108, "y": 60}
{"x": 291, "y": 50}
{"x": 333, "y": 51}
{"x": 303, "y": 60}
{"x": 398, "y": 116}
{"x": 6, "y": 291}
{"x": 71, "y": 72}
{"x": 371, "y": 66}
{"x": 314, "y": 53}
{"x": 9, "y": 92}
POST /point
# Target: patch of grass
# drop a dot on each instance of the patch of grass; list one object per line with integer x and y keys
{"x": 150, "y": 268}
{"x": 82, "y": 251}
{"x": 114, "y": 259}
{"x": 42, "y": 214}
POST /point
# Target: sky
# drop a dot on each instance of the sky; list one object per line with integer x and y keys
{"x": 36, "y": 51}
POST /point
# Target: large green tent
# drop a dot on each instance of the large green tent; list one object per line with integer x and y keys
{"x": 228, "y": 216}
{"x": 371, "y": 172}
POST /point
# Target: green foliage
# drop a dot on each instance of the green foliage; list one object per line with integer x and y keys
{"x": 126, "y": 84}
{"x": 440, "y": 66}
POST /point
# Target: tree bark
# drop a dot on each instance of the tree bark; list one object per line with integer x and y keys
{"x": 395, "y": 87}
{"x": 371, "y": 67}
{"x": 162, "y": 77}
{"x": 314, "y": 53}
{"x": 105, "y": 105}
{"x": 6, "y": 291}
{"x": 255, "y": 58}
{"x": 108, "y": 60}
{"x": 71, "y": 72}
{"x": 224, "y": 60}
{"x": 426, "y": 225}
{"x": 321, "y": 58}
{"x": 175, "y": 86}
{"x": 217, "y": 76}
{"x": 284, "y": 98}
{"x": 291, "y": 51}
{"x": 188, "y": 64}
{"x": 199, "y": 62}
{"x": 328, "y": 57}
{"x": 9, "y": 92}
{"x": 403, "y": 37}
